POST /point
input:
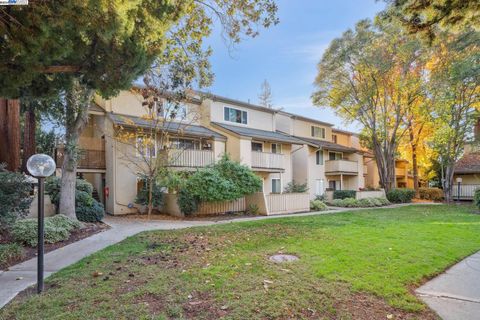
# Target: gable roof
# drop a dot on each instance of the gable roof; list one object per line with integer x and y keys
{"x": 300, "y": 117}
{"x": 172, "y": 127}
{"x": 469, "y": 163}
{"x": 274, "y": 136}
{"x": 322, "y": 144}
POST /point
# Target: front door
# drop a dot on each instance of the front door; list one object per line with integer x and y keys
{"x": 319, "y": 187}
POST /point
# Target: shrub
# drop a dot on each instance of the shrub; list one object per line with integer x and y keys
{"x": 434, "y": 194}
{"x": 87, "y": 209}
{"x": 317, "y": 205}
{"x": 344, "y": 194}
{"x": 15, "y": 197}
{"x": 223, "y": 181}
{"x": 10, "y": 251}
{"x": 252, "y": 209}
{"x": 57, "y": 228}
{"x": 361, "y": 203}
{"x": 321, "y": 197}
{"x": 400, "y": 195}
{"x": 157, "y": 194}
{"x": 476, "y": 198}
{"x": 293, "y": 187}
{"x": 92, "y": 212}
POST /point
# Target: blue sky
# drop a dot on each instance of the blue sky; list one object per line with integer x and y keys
{"x": 286, "y": 55}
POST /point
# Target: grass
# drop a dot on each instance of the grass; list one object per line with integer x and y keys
{"x": 9, "y": 252}
{"x": 353, "y": 265}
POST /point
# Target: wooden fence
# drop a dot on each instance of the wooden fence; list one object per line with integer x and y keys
{"x": 466, "y": 191}
{"x": 222, "y": 207}
{"x": 287, "y": 203}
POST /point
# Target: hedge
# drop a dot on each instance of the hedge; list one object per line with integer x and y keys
{"x": 476, "y": 198}
{"x": 434, "y": 194}
{"x": 57, "y": 228}
{"x": 361, "y": 203}
{"x": 343, "y": 194}
{"x": 317, "y": 205}
{"x": 401, "y": 195}
{"x": 15, "y": 197}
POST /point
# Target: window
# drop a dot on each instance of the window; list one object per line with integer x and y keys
{"x": 276, "y": 148}
{"x": 334, "y": 138}
{"x": 319, "y": 187}
{"x": 276, "y": 185}
{"x": 319, "y": 157}
{"x": 257, "y": 146}
{"x": 318, "y": 132}
{"x": 179, "y": 143}
{"x": 172, "y": 111}
{"x": 146, "y": 146}
{"x": 335, "y": 156}
{"x": 235, "y": 115}
{"x": 332, "y": 184}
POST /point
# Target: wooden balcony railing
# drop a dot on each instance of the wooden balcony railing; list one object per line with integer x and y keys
{"x": 267, "y": 160}
{"x": 188, "y": 157}
{"x": 339, "y": 166}
{"x": 400, "y": 172}
{"x": 87, "y": 159}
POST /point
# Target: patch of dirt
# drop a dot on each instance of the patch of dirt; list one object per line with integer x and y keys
{"x": 88, "y": 230}
{"x": 368, "y": 307}
{"x": 201, "y": 304}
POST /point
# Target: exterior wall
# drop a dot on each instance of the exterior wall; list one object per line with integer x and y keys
{"x": 302, "y": 128}
{"x": 315, "y": 172}
{"x": 256, "y": 119}
{"x": 468, "y": 178}
{"x": 342, "y": 138}
{"x": 284, "y": 123}
{"x": 372, "y": 179}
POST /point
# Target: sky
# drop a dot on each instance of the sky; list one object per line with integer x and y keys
{"x": 286, "y": 55}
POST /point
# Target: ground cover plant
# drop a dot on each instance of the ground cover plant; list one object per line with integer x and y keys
{"x": 353, "y": 265}
{"x": 359, "y": 203}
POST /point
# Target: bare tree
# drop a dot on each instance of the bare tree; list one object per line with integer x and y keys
{"x": 265, "y": 98}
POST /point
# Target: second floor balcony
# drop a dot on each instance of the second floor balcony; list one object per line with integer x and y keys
{"x": 267, "y": 160}
{"x": 190, "y": 158}
{"x": 341, "y": 167}
{"x": 87, "y": 159}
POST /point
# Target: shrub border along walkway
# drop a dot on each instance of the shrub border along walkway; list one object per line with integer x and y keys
{"x": 23, "y": 275}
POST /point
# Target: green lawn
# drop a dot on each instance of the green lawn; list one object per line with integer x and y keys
{"x": 354, "y": 265}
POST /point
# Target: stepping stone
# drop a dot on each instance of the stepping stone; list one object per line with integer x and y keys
{"x": 281, "y": 258}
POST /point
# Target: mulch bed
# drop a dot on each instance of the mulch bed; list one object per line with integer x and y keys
{"x": 88, "y": 230}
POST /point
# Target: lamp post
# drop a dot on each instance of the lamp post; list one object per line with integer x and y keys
{"x": 459, "y": 182}
{"x": 40, "y": 166}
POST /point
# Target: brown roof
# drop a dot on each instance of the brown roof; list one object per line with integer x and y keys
{"x": 469, "y": 163}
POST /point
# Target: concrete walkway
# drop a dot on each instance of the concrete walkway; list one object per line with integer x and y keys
{"x": 455, "y": 294}
{"x": 24, "y": 275}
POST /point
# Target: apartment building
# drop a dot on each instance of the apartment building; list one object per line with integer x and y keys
{"x": 329, "y": 158}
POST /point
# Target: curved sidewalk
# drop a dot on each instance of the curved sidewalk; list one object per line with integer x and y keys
{"x": 121, "y": 228}
{"x": 455, "y": 294}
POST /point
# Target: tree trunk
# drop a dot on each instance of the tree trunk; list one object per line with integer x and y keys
{"x": 77, "y": 104}
{"x": 150, "y": 197}
{"x": 29, "y": 145}
{"x": 10, "y": 133}
{"x": 448, "y": 184}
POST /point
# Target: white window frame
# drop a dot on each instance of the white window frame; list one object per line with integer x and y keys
{"x": 320, "y": 129}
{"x": 251, "y": 146}
{"x": 166, "y": 116}
{"x": 320, "y": 152}
{"x": 336, "y": 153}
{"x": 147, "y": 154}
{"x": 241, "y": 115}
{"x": 279, "y": 183}
{"x": 278, "y": 147}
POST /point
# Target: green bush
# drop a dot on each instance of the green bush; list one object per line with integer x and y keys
{"x": 15, "y": 197}
{"x": 476, "y": 198}
{"x": 317, "y": 205}
{"x": 225, "y": 180}
{"x": 87, "y": 208}
{"x": 92, "y": 213}
{"x": 293, "y": 187}
{"x": 10, "y": 251}
{"x": 344, "y": 194}
{"x": 434, "y": 194}
{"x": 361, "y": 203}
{"x": 57, "y": 228}
{"x": 400, "y": 195}
{"x": 157, "y": 194}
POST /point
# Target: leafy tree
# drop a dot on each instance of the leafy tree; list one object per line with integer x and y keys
{"x": 371, "y": 74}
{"x": 75, "y": 48}
{"x": 430, "y": 16}
{"x": 265, "y": 98}
{"x": 455, "y": 88}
